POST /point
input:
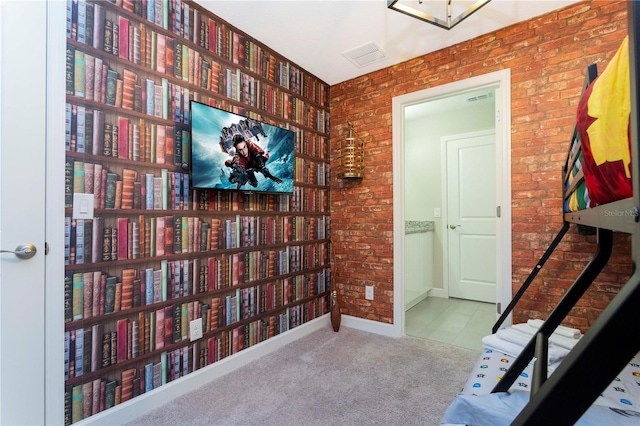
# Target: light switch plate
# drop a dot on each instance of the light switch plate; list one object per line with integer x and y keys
{"x": 368, "y": 292}
{"x": 82, "y": 206}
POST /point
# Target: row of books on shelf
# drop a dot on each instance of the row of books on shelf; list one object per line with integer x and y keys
{"x": 83, "y": 400}
{"x": 312, "y": 144}
{"x": 94, "y": 348}
{"x": 307, "y": 171}
{"x": 310, "y": 199}
{"x": 171, "y": 191}
{"x": 91, "y": 241}
{"x": 120, "y": 238}
{"x": 219, "y": 201}
{"x": 249, "y": 231}
{"x": 90, "y": 78}
{"x": 87, "y": 131}
{"x": 96, "y": 25}
{"x": 303, "y": 199}
{"x": 144, "y": 191}
{"x": 169, "y": 324}
{"x": 256, "y": 59}
{"x": 93, "y": 294}
{"x": 102, "y": 28}
{"x": 240, "y": 86}
{"x": 87, "y": 350}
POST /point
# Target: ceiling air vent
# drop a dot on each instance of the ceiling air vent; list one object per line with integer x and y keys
{"x": 480, "y": 97}
{"x": 366, "y": 54}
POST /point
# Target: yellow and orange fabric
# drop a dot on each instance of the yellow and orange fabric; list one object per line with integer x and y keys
{"x": 603, "y": 128}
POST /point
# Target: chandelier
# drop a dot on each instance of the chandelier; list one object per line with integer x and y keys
{"x": 447, "y": 23}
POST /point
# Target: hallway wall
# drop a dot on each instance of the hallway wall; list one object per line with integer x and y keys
{"x": 547, "y": 56}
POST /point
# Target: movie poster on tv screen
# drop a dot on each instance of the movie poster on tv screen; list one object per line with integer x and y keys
{"x": 233, "y": 152}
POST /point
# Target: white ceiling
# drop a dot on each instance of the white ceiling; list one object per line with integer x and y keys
{"x": 314, "y": 34}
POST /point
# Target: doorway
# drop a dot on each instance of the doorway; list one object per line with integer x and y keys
{"x": 499, "y": 82}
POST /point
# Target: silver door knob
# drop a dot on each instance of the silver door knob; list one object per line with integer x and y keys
{"x": 23, "y": 251}
{"x": 454, "y": 226}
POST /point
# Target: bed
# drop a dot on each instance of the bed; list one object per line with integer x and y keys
{"x": 601, "y": 192}
{"x": 476, "y": 404}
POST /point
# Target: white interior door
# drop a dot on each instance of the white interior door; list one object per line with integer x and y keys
{"x": 22, "y": 211}
{"x": 471, "y": 216}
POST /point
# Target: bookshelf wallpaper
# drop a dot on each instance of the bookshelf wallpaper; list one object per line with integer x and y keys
{"x": 149, "y": 262}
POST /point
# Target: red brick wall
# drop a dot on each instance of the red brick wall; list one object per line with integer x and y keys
{"x": 547, "y": 57}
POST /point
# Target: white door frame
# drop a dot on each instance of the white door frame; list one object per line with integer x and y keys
{"x": 501, "y": 79}
{"x": 54, "y": 213}
{"x": 445, "y": 203}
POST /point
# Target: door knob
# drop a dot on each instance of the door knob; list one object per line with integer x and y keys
{"x": 454, "y": 226}
{"x": 23, "y": 251}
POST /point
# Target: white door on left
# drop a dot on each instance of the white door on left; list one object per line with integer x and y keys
{"x": 23, "y": 90}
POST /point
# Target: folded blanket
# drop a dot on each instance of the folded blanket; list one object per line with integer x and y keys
{"x": 513, "y": 336}
{"x": 555, "y": 339}
{"x": 560, "y": 330}
{"x": 495, "y": 343}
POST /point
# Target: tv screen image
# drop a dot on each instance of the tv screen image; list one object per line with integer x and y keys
{"x": 234, "y": 152}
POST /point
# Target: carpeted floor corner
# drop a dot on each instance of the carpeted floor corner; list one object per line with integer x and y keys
{"x": 325, "y": 378}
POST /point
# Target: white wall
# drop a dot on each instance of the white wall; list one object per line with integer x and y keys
{"x": 423, "y": 169}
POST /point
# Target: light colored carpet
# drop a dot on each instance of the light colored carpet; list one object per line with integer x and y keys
{"x": 325, "y": 378}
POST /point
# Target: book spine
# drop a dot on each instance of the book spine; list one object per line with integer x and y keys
{"x": 110, "y": 191}
{"x": 79, "y": 352}
{"x": 96, "y": 347}
{"x": 110, "y": 295}
{"x": 68, "y": 296}
{"x": 77, "y": 412}
{"x": 123, "y": 37}
{"x": 111, "y": 87}
{"x": 122, "y": 326}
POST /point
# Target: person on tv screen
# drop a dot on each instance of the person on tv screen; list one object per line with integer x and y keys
{"x": 248, "y": 159}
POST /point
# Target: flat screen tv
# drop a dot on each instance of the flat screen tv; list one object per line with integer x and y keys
{"x": 234, "y": 152}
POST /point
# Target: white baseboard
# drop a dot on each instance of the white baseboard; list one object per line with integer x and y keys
{"x": 438, "y": 292}
{"x": 148, "y": 401}
{"x": 416, "y": 300}
{"x": 370, "y": 326}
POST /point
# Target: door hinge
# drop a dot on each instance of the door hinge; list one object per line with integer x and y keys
{"x": 499, "y": 308}
{"x": 46, "y": 248}
{"x": 498, "y": 211}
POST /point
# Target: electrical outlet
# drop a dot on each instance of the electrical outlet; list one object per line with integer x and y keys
{"x": 195, "y": 329}
{"x": 368, "y": 292}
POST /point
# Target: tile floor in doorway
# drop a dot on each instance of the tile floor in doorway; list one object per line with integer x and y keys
{"x": 455, "y": 321}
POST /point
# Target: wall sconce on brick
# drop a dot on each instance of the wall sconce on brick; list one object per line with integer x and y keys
{"x": 350, "y": 156}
